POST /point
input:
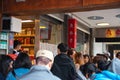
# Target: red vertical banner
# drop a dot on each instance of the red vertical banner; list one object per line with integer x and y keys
{"x": 72, "y": 33}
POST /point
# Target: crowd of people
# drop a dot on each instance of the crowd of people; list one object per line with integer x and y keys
{"x": 66, "y": 65}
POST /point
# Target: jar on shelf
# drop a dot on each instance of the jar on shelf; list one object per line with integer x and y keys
{"x": 28, "y": 31}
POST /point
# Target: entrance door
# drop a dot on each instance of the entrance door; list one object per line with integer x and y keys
{"x": 113, "y": 49}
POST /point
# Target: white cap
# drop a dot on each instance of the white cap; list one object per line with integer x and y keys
{"x": 45, "y": 53}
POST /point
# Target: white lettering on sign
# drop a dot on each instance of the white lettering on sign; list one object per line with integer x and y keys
{"x": 71, "y": 32}
{"x": 71, "y": 25}
{"x": 20, "y": 0}
{"x": 71, "y": 40}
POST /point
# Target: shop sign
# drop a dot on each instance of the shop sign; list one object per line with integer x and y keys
{"x": 72, "y": 30}
{"x": 110, "y": 33}
{"x": 118, "y": 32}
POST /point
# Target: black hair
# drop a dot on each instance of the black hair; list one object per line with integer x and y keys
{"x": 102, "y": 65}
{"x": 118, "y": 54}
{"x": 63, "y": 47}
{"x": 86, "y": 55}
{"x": 16, "y": 43}
{"x": 89, "y": 68}
{"x": 5, "y": 61}
{"x": 70, "y": 52}
{"x": 22, "y": 61}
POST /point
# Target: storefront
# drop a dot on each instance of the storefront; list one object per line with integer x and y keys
{"x": 50, "y": 34}
{"x": 107, "y": 40}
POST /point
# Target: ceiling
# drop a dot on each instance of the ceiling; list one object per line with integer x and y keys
{"x": 109, "y": 16}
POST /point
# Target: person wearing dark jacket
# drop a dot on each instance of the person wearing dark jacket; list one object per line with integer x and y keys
{"x": 63, "y": 66}
{"x": 6, "y": 63}
{"x": 17, "y": 47}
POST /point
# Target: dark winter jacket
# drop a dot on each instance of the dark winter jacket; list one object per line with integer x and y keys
{"x": 2, "y": 77}
{"x": 64, "y": 68}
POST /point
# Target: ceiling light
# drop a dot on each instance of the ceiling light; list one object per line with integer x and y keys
{"x": 95, "y": 17}
{"x": 103, "y": 24}
{"x": 118, "y": 16}
{"x": 27, "y": 20}
{"x": 42, "y": 27}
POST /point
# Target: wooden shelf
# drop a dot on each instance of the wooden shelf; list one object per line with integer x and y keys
{"x": 27, "y": 45}
{"x": 25, "y": 35}
{"x": 3, "y": 40}
{"x": 2, "y": 49}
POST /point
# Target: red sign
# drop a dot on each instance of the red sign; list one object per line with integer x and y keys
{"x": 118, "y": 32}
{"x": 72, "y": 33}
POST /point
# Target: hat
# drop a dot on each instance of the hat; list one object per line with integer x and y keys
{"x": 45, "y": 53}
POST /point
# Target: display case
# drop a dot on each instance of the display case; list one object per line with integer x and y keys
{"x": 3, "y": 42}
{"x": 27, "y": 37}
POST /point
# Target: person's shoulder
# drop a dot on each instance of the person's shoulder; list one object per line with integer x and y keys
{"x": 56, "y": 78}
{"x": 1, "y": 77}
{"x": 10, "y": 76}
{"x": 22, "y": 70}
{"x": 25, "y": 77}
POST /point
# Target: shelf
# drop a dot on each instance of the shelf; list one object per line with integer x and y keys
{"x": 3, "y": 49}
{"x": 27, "y": 45}
{"x": 3, "y": 40}
{"x": 25, "y": 35}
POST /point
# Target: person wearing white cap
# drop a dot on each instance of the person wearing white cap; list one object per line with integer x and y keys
{"x": 41, "y": 71}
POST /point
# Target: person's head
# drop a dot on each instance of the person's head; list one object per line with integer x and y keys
{"x": 44, "y": 58}
{"x": 79, "y": 58}
{"x": 17, "y": 45}
{"x": 107, "y": 54}
{"x": 118, "y": 55}
{"x": 89, "y": 69}
{"x": 62, "y": 48}
{"x": 6, "y": 64}
{"x": 22, "y": 61}
{"x": 96, "y": 59}
{"x": 105, "y": 57}
{"x": 71, "y": 53}
{"x": 86, "y": 58}
{"x": 102, "y": 65}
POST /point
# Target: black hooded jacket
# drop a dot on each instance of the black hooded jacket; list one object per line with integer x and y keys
{"x": 64, "y": 68}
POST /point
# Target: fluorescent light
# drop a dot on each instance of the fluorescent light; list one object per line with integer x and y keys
{"x": 103, "y": 24}
{"x": 42, "y": 27}
{"x": 27, "y": 20}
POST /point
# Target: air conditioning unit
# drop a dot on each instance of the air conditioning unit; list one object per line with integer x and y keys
{"x": 11, "y": 24}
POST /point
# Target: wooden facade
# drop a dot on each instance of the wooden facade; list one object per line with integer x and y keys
{"x": 36, "y": 7}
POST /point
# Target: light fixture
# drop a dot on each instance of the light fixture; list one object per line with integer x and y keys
{"x": 95, "y": 17}
{"x": 27, "y": 21}
{"x": 42, "y": 27}
{"x": 103, "y": 24}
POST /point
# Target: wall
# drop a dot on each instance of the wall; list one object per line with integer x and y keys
{"x": 97, "y": 48}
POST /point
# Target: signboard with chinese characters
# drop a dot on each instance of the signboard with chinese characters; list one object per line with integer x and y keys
{"x": 110, "y": 33}
{"x": 107, "y": 32}
{"x": 72, "y": 30}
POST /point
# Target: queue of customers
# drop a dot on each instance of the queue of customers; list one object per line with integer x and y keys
{"x": 66, "y": 65}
